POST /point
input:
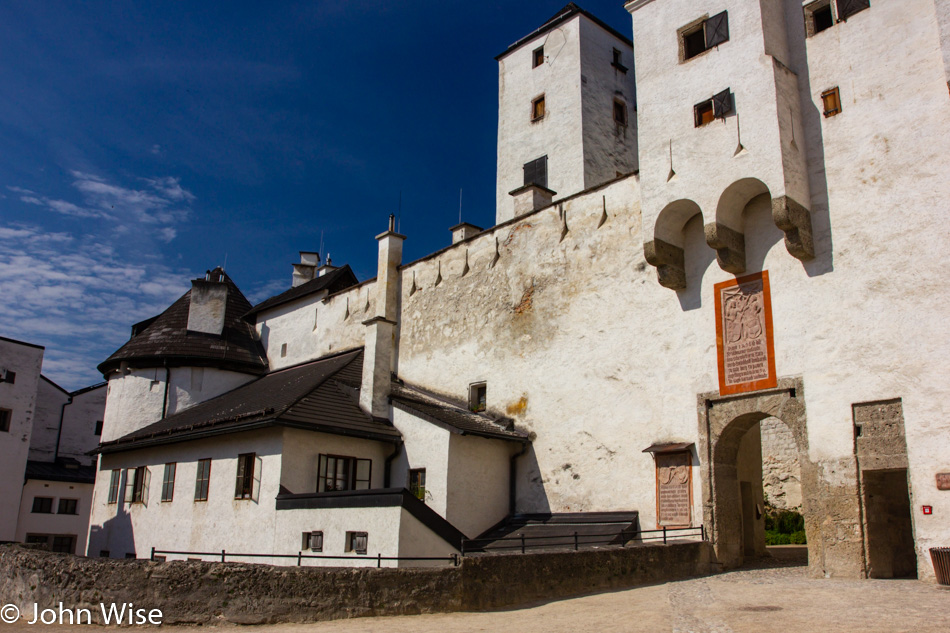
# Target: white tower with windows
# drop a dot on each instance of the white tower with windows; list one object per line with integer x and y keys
{"x": 566, "y": 112}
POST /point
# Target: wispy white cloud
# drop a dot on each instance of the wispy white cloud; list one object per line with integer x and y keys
{"x": 78, "y": 293}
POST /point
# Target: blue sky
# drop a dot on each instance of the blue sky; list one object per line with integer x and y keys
{"x": 143, "y": 143}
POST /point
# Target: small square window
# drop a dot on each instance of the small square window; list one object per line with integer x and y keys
{"x": 819, "y": 17}
{"x": 831, "y": 100}
{"x": 703, "y": 113}
{"x": 104, "y": 553}
{"x": 5, "y": 416}
{"x": 478, "y": 396}
{"x": 68, "y": 506}
{"x": 312, "y": 541}
{"x": 10, "y": 377}
{"x": 98, "y": 430}
{"x": 64, "y": 544}
{"x": 43, "y": 505}
{"x": 694, "y": 42}
{"x": 537, "y": 108}
{"x": 620, "y": 112}
{"x": 356, "y": 542}
{"x": 537, "y": 57}
{"x": 702, "y": 35}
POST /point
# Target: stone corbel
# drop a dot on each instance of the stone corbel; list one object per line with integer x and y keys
{"x": 729, "y": 245}
{"x": 669, "y": 261}
{"x": 795, "y": 222}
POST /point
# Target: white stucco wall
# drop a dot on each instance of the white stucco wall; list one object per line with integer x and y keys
{"x": 135, "y": 399}
{"x": 49, "y": 406}
{"x": 610, "y": 149}
{"x": 416, "y": 540}
{"x": 426, "y": 446}
{"x": 79, "y": 424}
{"x": 382, "y": 527}
{"x": 339, "y": 325}
{"x": 75, "y": 525}
{"x": 20, "y": 398}
{"x": 221, "y": 522}
{"x": 478, "y": 483}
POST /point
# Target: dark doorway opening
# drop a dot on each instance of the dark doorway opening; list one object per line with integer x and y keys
{"x": 890, "y": 533}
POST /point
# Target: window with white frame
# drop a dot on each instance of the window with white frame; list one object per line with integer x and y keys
{"x": 248, "y": 482}
{"x": 137, "y": 482}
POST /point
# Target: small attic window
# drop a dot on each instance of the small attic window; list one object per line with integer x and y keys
{"x": 537, "y": 57}
{"x": 283, "y": 350}
{"x": 477, "y": 396}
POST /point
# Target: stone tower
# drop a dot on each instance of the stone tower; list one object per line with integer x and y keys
{"x": 566, "y": 112}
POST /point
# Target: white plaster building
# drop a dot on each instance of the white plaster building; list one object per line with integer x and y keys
{"x": 47, "y": 440}
{"x": 625, "y": 335}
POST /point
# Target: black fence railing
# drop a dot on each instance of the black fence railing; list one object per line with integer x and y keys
{"x": 223, "y": 555}
{"x": 575, "y": 540}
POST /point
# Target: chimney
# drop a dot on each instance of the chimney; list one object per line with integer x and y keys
{"x": 380, "y": 350}
{"x": 306, "y": 269}
{"x": 326, "y": 268}
{"x": 531, "y": 197}
{"x": 464, "y": 231}
{"x": 208, "y": 303}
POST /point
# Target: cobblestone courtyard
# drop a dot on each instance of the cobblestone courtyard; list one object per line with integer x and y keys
{"x": 777, "y": 598}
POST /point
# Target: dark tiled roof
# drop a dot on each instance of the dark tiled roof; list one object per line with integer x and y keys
{"x": 50, "y": 471}
{"x": 333, "y": 281}
{"x": 166, "y": 339}
{"x": 555, "y": 532}
{"x": 562, "y": 16}
{"x": 316, "y": 396}
{"x": 451, "y": 415}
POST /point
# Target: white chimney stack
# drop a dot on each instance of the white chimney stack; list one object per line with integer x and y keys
{"x": 208, "y": 303}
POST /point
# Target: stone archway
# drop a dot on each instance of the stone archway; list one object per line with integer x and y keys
{"x": 723, "y": 422}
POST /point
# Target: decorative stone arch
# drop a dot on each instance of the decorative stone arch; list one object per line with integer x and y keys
{"x": 665, "y": 250}
{"x": 723, "y": 421}
{"x": 726, "y": 234}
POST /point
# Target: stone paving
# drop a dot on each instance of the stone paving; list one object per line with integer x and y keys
{"x": 776, "y": 597}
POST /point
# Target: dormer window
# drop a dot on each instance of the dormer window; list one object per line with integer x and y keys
{"x": 478, "y": 396}
{"x": 537, "y": 57}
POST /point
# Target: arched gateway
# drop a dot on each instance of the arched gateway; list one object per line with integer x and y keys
{"x": 732, "y": 511}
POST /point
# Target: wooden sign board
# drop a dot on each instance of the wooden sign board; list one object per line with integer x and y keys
{"x": 744, "y": 344}
{"x": 674, "y": 489}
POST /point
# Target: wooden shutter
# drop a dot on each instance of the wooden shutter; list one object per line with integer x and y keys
{"x": 722, "y": 104}
{"x": 129, "y": 485}
{"x": 359, "y": 542}
{"x": 316, "y": 541}
{"x": 717, "y": 29}
{"x": 256, "y": 486}
{"x": 147, "y": 476}
{"x": 847, "y": 8}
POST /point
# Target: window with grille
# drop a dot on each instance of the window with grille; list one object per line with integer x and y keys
{"x": 248, "y": 482}
{"x": 64, "y": 544}
{"x": 5, "y": 416}
{"x": 114, "y": 486}
{"x": 339, "y": 472}
{"x": 43, "y": 505}
{"x": 203, "y": 480}
{"x": 68, "y": 506}
{"x": 537, "y": 108}
{"x": 536, "y": 172}
{"x": 356, "y": 542}
{"x": 168, "y": 481}
{"x": 702, "y": 35}
{"x": 417, "y": 483}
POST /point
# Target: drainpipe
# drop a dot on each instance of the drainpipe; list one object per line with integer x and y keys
{"x": 59, "y": 433}
{"x": 513, "y": 478}
{"x": 168, "y": 374}
{"x": 387, "y": 476}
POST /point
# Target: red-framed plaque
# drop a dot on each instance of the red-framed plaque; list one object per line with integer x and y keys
{"x": 744, "y": 345}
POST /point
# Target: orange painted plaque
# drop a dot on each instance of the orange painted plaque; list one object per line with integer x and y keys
{"x": 744, "y": 344}
{"x": 674, "y": 489}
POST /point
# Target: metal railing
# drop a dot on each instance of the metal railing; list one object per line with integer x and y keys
{"x": 300, "y": 556}
{"x": 575, "y": 540}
